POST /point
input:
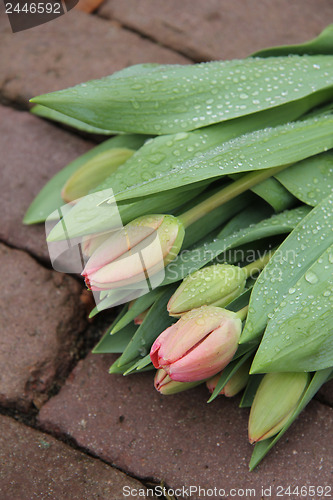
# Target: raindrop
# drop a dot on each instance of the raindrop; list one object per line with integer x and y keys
{"x": 311, "y": 277}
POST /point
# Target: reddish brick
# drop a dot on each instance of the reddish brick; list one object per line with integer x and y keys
{"x": 180, "y": 438}
{"x": 41, "y": 318}
{"x": 32, "y": 151}
{"x": 35, "y": 465}
{"x": 326, "y": 393}
{"x": 71, "y": 49}
{"x": 221, "y": 29}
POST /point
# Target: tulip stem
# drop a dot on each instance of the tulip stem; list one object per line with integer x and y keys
{"x": 228, "y": 193}
{"x": 242, "y": 313}
{"x": 256, "y": 266}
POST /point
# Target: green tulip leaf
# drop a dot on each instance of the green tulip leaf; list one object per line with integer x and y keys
{"x": 156, "y": 321}
{"x": 250, "y": 391}
{"x": 272, "y": 192}
{"x": 263, "y": 447}
{"x": 114, "y": 368}
{"x": 167, "y": 162}
{"x": 227, "y": 373}
{"x": 93, "y": 213}
{"x": 257, "y": 212}
{"x": 173, "y": 98}
{"x": 49, "y": 198}
{"x": 111, "y": 298}
{"x": 322, "y": 44}
{"x": 311, "y": 179}
{"x": 214, "y": 219}
{"x": 52, "y": 114}
{"x": 140, "y": 305}
{"x": 139, "y": 365}
{"x": 300, "y": 334}
{"x": 107, "y": 333}
{"x": 241, "y": 301}
{"x": 116, "y": 343}
{"x": 275, "y": 194}
{"x": 297, "y": 253}
{"x": 189, "y": 261}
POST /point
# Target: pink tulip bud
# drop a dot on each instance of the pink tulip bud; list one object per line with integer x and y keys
{"x": 142, "y": 248}
{"x": 199, "y": 345}
{"x": 166, "y": 386}
{"x": 235, "y": 384}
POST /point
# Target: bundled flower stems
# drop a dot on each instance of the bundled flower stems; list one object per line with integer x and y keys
{"x": 208, "y": 217}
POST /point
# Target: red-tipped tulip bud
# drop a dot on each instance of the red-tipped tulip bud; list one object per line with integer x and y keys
{"x": 166, "y": 386}
{"x": 276, "y": 398}
{"x": 142, "y": 248}
{"x": 199, "y": 345}
{"x": 234, "y": 385}
{"x": 215, "y": 285}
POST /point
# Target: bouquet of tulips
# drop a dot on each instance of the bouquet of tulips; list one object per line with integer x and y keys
{"x": 208, "y": 215}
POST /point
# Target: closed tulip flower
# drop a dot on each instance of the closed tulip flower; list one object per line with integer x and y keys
{"x": 276, "y": 398}
{"x": 199, "y": 345}
{"x": 215, "y": 285}
{"x": 166, "y": 386}
{"x": 142, "y": 248}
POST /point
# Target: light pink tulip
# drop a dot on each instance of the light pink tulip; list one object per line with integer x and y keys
{"x": 199, "y": 345}
{"x": 143, "y": 247}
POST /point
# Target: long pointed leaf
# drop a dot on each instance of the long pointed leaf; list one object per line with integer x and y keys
{"x": 156, "y": 321}
{"x": 300, "y": 334}
{"x": 322, "y": 44}
{"x": 140, "y": 305}
{"x": 191, "y": 260}
{"x": 275, "y": 194}
{"x": 93, "y": 214}
{"x": 301, "y": 248}
{"x": 174, "y": 98}
{"x": 213, "y": 220}
{"x": 51, "y": 114}
{"x": 250, "y": 391}
{"x": 311, "y": 179}
{"x": 261, "y": 149}
{"x": 115, "y": 343}
{"x": 227, "y": 373}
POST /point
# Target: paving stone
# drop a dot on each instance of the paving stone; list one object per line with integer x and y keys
{"x": 325, "y": 393}
{"x": 41, "y": 318}
{"x": 180, "y": 438}
{"x": 221, "y": 29}
{"x": 34, "y": 465}
{"x": 71, "y": 49}
{"x": 32, "y": 151}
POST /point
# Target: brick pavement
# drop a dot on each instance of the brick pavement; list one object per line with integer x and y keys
{"x": 180, "y": 438}
{"x": 120, "y": 420}
{"x": 221, "y": 29}
{"x": 35, "y": 465}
